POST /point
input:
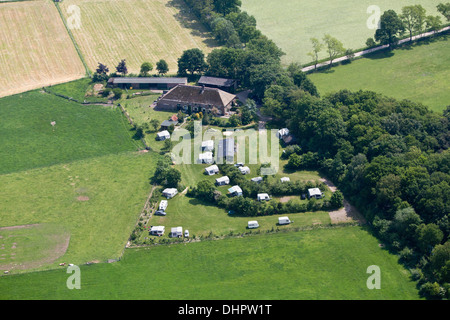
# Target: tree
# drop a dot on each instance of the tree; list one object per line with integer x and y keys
{"x": 101, "y": 73}
{"x": 162, "y": 66}
{"x": 234, "y": 121}
{"x": 192, "y": 61}
{"x": 317, "y": 47}
{"x": 428, "y": 235}
{"x": 334, "y": 47}
{"x": 117, "y": 93}
{"x": 146, "y": 67}
{"x": 434, "y": 23}
{"x": 391, "y": 26}
{"x": 226, "y": 6}
{"x": 413, "y": 18}
{"x": 154, "y": 124}
{"x": 337, "y": 199}
{"x": 122, "y": 67}
{"x": 444, "y": 9}
{"x": 370, "y": 42}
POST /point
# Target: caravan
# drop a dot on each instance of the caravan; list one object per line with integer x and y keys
{"x": 253, "y": 224}
{"x": 284, "y": 220}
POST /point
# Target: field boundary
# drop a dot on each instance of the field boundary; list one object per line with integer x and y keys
{"x": 80, "y": 55}
{"x": 372, "y": 50}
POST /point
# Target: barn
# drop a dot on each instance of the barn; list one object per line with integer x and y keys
{"x": 145, "y": 83}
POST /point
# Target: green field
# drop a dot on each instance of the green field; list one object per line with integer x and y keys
{"x": 291, "y": 23}
{"x": 96, "y": 200}
{"x": 419, "y": 73}
{"x": 29, "y": 140}
{"x": 316, "y": 264}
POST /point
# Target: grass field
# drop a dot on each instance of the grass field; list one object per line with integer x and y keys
{"x": 136, "y": 30}
{"x": 419, "y": 73}
{"x": 317, "y": 264}
{"x": 35, "y": 49}
{"x": 97, "y": 201}
{"x": 29, "y": 140}
{"x": 292, "y": 23}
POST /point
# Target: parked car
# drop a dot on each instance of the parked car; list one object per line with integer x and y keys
{"x": 186, "y": 233}
{"x": 160, "y": 213}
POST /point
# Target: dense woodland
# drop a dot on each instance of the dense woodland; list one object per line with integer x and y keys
{"x": 390, "y": 158}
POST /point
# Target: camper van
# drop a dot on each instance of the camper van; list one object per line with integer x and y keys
{"x": 253, "y": 224}
{"x": 283, "y": 220}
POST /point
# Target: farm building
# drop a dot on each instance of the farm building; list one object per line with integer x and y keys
{"x": 163, "y": 135}
{"x": 204, "y": 99}
{"x": 315, "y": 193}
{"x": 169, "y": 192}
{"x": 257, "y": 179}
{"x": 163, "y": 205}
{"x": 285, "y": 179}
{"x": 208, "y": 145}
{"x": 244, "y": 170}
{"x": 148, "y": 83}
{"x": 167, "y": 123}
{"x": 235, "y": 191}
{"x": 157, "y": 230}
{"x": 222, "y": 181}
{"x": 229, "y": 85}
{"x": 226, "y": 150}
{"x": 212, "y": 170}
{"x": 263, "y": 197}
{"x": 176, "y": 232}
{"x": 206, "y": 157}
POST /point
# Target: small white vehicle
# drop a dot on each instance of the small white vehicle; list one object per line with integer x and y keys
{"x": 284, "y": 220}
{"x": 186, "y": 233}
{"x": 253, "y": 224}
{"x": 160, "y": 213}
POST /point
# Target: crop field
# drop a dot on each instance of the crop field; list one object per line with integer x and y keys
{"x": 95, "y": 201}
{"x": 136, "y": 30}
{"x": 291, "y": 23}
{"x": 80, "y": 131}
{"x": 35, "y": 49}
{"x": 418, "y": 73}
{"x": 310, "y": 265}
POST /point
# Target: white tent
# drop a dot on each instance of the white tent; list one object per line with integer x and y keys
{"x": 235, "y": 191}
{"x": 257, "y": 179}
{"x": 163, "y": 135}
{"x": 176, "y": 232}
{"x": 282, "y": 132}
{"x": 285, "y": 179}
{"x": 169, "y": 192}
{"x": 163, "y": 205}
{"x": 315, "y": 193}
{"x": 263, "y": 197}
{"x": 208, "y": 145}
{"x": 157, "y": 230}
{"x": 212, "y": 170}
{"x": 244, "y": 170}
{"x": 206, "y": 157}
{"x": 222, "y": 181}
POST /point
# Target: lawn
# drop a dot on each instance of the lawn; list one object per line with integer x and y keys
{"x": 419, "y": 73}
{"x": 29, "y": 140}
{"x": 35, "y": 49}
{"x": 81, "y": 90}
{"x": 97, "y": 201}
{"x": 310, "y": 265}
{"x": 292, "y": 23}
{"x": 136, "y": 30}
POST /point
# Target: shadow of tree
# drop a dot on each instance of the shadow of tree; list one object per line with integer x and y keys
{"x": 187, "y": 19}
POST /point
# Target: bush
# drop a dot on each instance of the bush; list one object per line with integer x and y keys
{"x": 117, "y": 93}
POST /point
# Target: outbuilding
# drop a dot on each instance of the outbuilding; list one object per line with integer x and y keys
{"x": 212, "y": 170}
{"x": 222, "y": 181}
{"x": 169, "y": 192}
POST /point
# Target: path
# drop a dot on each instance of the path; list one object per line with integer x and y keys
{"x": 367, "y": 51}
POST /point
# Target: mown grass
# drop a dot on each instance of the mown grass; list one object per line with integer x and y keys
{"x": 96, "y": 200}
{"x": 81, "y": 90}
{"x": 311, "y": 265}
{"x": 29, "y": 140}
{"x": 292, "y": 24}
{"x": 419, "y": 72}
